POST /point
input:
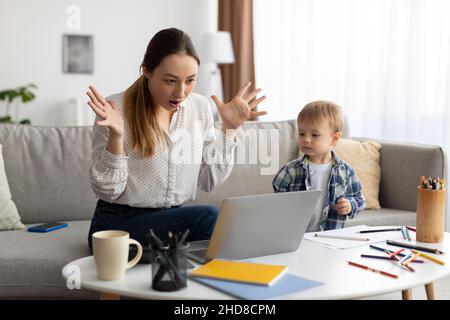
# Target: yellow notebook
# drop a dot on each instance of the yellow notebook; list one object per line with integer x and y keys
{"x": 249, "y": 272}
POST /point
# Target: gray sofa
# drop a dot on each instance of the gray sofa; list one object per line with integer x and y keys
{"x": 48, "y": 174}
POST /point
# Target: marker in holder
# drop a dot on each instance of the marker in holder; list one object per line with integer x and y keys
{"x": 170, "y": 263}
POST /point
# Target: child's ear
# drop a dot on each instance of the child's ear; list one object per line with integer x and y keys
{"x": 336, "y": 137}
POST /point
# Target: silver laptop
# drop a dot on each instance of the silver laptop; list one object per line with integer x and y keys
{"x": 259, "y": 225}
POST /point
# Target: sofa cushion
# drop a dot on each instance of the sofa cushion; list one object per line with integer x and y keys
{"x": 408, "y": 161}
{"x": 383, "y": 217}
{"x": 31, "y": 263}
{"x": 9, "y": 217}
{"x": 48, "y": 171}
{"x": 262, "y": 148}
{"x": 364, "y": 157}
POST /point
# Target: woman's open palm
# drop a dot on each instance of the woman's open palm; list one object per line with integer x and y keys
{"x": 106, "y": 110}
{"x": 239, "y": 109}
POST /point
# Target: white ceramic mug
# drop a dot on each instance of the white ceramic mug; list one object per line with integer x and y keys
{"x": 111, "y": 253}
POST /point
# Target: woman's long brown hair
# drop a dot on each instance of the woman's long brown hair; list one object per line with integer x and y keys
{"x": 139, "y": 109}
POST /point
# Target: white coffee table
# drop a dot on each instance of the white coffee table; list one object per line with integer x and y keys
{"x": 311, "y": 260}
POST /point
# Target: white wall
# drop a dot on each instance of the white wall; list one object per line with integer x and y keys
{"x": 30, "y": 47}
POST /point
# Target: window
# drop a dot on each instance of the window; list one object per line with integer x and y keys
{"x": 386, "y": 62}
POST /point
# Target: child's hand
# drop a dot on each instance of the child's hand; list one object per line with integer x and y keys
{"x": 343, "y": 206}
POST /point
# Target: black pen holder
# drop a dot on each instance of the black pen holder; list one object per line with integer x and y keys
{"x": 169, "y": 268}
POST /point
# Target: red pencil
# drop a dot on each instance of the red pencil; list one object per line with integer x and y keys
{"x": 411, "y": 229}
{"x": 392, "y": 254}
{"x": 372, "y": 269}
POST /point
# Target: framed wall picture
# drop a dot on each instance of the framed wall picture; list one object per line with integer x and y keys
{"x": 77, "y": 53}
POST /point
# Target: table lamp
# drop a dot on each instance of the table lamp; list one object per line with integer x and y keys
{"x": 217, "y": 49}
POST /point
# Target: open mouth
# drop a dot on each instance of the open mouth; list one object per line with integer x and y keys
{"x": 175, "y": 103}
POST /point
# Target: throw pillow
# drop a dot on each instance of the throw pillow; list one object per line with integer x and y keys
{"x": 364, "y": 157}
{"x": 9, "y": 217}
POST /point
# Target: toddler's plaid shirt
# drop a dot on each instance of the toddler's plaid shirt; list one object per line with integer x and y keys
{"x": 343, "y": 182}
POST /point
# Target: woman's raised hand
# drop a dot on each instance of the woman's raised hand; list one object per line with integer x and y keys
{"x": 239, "y": 109}
{"x": 106, "y": 110}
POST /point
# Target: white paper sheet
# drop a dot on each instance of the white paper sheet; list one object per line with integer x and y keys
{"x": 353, "y": 232}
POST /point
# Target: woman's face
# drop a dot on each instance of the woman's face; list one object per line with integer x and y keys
{"x": 172, "y": 81}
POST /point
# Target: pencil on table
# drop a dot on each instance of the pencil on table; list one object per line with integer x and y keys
{"x": 407, "y": 234}
{"x": 391, "y": 254}
{"x": 394, "y": 257}
{"x": 376, "y": 257}
{"x": 390, "y": 251}
{"x": 402, "y": 260}
{"x": 426, "y": 256}
{"x": 403, "y": 232}
{"x": 379, "y": 230}
{"x": 411, "y": 259}
{"x": 340, "y": 237}
{"x": 410, "y": 246}
{"x": 373, "y": 269}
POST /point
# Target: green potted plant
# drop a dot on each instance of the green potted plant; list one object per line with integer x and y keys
{"x": 23, "y": 93}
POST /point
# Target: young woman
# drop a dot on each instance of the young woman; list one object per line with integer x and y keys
{"x": 156, "y": 142}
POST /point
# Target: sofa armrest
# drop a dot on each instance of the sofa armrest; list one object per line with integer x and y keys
{"x": 402, "y": 164}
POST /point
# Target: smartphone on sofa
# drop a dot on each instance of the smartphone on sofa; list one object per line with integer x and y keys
{"x": 47, "y": 227}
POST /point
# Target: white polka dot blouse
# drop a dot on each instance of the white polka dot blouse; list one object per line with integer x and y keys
{"x": 194, "y": 154}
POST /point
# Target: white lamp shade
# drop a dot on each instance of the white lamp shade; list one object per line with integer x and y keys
{"x": 217, "y": 47}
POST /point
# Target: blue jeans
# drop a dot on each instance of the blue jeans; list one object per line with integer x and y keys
{"x": 200, "y": 221}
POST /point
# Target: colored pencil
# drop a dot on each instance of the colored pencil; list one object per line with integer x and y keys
{"x": 410, "y": 246}
{"x": 403, "y": 232}
{"x": 373, "y": 269}
{"x": 390, "y": 251}
{"x": 375, "y": 257}
{"x": 407, "y": 233}
{"x": 379, "y": 230}
{"x": 411, "y": 259}
{"x": 426, "y": 256}
{"x": 391, "y": 254}
{"x": 398, "y": 261}
{"x": 340, "y": 237}
{"x": 409, "y": 255}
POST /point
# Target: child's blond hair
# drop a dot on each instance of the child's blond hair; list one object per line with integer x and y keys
{"x": 317, "y": 111}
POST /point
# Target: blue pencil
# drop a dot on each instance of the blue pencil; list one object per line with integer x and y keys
{"x": 407, "y": 234}
{"x": 403, "y": 233}
{"x": 390, "y": 251}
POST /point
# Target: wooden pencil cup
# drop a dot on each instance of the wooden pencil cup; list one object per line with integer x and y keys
{"x": 430, "y": 215}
